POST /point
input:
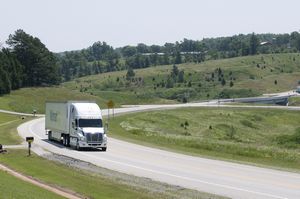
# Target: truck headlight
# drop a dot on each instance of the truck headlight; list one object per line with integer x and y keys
{"x": 82, "y": 138}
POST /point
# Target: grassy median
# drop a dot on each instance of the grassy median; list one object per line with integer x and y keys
{"x": 259, "y": 136}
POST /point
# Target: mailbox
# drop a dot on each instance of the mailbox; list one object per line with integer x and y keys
{"x": 29, "y": 139}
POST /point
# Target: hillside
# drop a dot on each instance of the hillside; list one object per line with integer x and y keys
{"x": 29, "y": 99}
{"x": 250, "y": 76}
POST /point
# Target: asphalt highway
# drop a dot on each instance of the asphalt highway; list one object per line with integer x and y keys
{"x": 213, "y": 176}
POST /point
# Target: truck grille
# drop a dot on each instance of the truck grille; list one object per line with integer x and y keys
{"x": 94, "y": 137}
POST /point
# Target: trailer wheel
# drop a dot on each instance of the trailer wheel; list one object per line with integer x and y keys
{"x": 103, "y": 148}
{"x": 64, "y": 141}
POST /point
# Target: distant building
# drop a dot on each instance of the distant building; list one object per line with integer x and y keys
{"x": 265, "y": 43}
{"x": 182, "y": 53}
{"x": 148, "y": 54}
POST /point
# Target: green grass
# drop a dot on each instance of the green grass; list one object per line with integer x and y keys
{"x": 11, "y": 187}
{"x": 8, "y": 131}
{"x": 50, "y": 172}
{"x": 265, "y": 137}
{"x": 294, "y": 101}
{"x": 82, "y": 182}
{"x": 28, "y": 99}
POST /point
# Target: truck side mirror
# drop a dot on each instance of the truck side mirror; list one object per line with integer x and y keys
{"x": 73, "y": 126}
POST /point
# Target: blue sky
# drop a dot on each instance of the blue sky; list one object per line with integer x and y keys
{"x": 74, "y": 24}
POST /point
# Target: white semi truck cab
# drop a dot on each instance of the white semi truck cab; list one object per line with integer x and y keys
{"x": 76, "y": 123}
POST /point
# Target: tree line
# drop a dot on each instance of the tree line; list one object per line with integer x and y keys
{"x": 101, "y": 57}
{"x": 26, "y": 62}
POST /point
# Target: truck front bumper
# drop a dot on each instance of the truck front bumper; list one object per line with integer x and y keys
{"x": 92, "y": 144}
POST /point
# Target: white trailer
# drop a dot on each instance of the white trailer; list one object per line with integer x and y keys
{"x": 75, "y": 123}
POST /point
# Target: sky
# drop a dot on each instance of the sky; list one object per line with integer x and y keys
{"x": 75, "y": 24}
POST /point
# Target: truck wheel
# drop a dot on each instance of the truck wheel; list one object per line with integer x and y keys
{"x": 49, "y": 135}
{"x": 78, "y": 148}
{"x": 68, "y": 140}
{"x": 103, "y": 148}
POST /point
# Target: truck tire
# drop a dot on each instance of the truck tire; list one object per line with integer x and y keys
{"x": 103, "y": 148}
{"x": 68, "y": 140}
{"x": 49, "y": 135}
{"x": 78, "y": 148}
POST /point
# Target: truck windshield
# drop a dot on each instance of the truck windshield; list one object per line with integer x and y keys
{"x": 90, "y": 123}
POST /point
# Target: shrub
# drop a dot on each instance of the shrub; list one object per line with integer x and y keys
{"x": 289, "y": 141}
{"x": 247, "y": 123}
{"x": 186, "y": 123}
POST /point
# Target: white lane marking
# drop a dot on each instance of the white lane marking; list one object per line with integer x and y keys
{"x": 186, "y": 178}
{"x": 232, "y": 165}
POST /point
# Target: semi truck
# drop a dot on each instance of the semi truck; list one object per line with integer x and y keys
{"x": 77, "y": 124}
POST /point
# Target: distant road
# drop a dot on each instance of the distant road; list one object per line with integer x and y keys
{"x": 18, "y": 113}
{"x": 214, "y": 176}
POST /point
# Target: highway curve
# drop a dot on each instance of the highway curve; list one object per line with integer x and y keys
{"x": 213, "y": 176}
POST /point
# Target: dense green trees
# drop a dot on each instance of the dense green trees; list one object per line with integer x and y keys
{"x": 39, "y": 63}
{"x": 254, "y": 43}
{"x": 295, "y": 40}
{"x": 26, "y": 63}
{"x": 83, "y": 62}
{"x": 11, "y": 76}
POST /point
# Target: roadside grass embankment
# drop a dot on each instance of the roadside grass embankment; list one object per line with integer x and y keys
{"x": 12, "y": 187}
{"x": 294, "y": 101}
{"x": 256, "y": 136}
{"x": 89, "y": 183}
{"x": 8, "y": 131}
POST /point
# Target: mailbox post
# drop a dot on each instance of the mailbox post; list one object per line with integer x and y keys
{"x": 29, "y": 140}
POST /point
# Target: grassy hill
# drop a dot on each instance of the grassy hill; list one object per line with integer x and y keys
{"x": 250, "y": 76}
